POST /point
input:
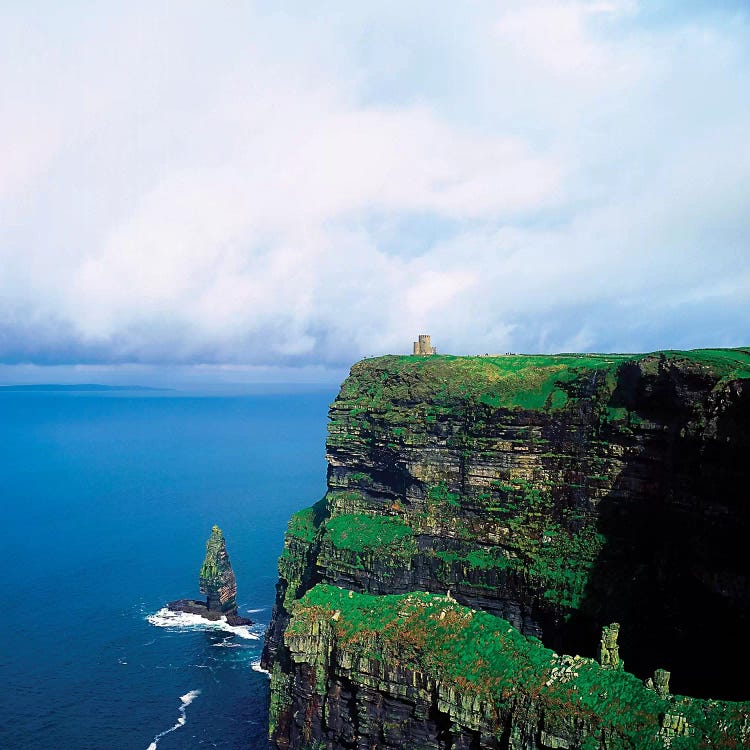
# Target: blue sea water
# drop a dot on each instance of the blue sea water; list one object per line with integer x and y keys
{"x": 106, "y": 503}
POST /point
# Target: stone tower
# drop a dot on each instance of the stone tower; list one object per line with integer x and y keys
{"x": 423, "y": 346}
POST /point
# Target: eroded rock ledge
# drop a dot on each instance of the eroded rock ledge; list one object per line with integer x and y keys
{"x": 557, "y": 493}
{"x": 421, "y": 671}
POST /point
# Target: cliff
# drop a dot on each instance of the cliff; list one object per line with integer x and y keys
{"x": 551, "y": 496}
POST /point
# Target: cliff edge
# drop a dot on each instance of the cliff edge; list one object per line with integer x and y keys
{"x": 486, "y": 516}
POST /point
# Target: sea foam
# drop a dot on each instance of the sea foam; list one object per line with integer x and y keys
{"x": 257, "y": 668}
{"x": 166, "y": 618}
{"x": 186, "y": 699}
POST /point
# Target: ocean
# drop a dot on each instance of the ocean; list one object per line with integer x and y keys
{"x": 107, "y": 502}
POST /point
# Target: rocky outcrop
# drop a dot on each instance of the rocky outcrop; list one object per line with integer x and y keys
{"x": 557, "y": 493}
{"x": 217, "y": 583}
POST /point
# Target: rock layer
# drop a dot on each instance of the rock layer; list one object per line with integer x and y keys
{"x": 559, "y": 493}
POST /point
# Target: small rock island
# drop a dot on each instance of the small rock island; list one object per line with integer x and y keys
{"x": 217, "y": 582}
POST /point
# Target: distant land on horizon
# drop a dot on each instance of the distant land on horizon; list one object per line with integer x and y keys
{"x": 80, "y": 387}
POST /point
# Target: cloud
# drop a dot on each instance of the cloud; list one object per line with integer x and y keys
{"x": 232, "y": 185}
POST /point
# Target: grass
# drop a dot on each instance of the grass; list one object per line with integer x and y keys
{"x": 728, "y": 364}
{"x": 362, "y": 533}
{"x": 523, "y": 381}
{"x": 439, "y": 494}
{"x": 529, "y": 381}
{"x": 302, "y": 525}
{"x": 478, "y": 559}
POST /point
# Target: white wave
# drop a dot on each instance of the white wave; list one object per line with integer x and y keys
{"x": 165, "y": 618}
{"x": 186, "y": 699}
{"x": 257, "y": 668}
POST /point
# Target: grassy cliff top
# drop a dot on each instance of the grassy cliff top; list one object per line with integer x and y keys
{"x": 481, "y": 655}
{"x": 529, "y": 381}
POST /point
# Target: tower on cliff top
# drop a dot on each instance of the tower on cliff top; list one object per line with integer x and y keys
{"x": 422, "y": 345}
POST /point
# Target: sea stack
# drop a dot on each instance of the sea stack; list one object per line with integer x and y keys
{"x": 217, "y": 583}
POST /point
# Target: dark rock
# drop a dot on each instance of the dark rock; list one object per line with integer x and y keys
{"x": 194, "y": 607}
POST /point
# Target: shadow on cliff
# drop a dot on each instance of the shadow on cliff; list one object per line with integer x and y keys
{"x": 674, "y": 568}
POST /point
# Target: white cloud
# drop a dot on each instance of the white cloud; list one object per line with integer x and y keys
{"x": 211, "y": 184}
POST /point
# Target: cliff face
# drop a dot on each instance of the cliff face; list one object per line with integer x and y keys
{"x": 552, "y": 495}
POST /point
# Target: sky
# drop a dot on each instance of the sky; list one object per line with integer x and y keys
{"x": 221, "y": 191}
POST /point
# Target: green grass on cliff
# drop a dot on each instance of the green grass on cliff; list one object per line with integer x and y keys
{"x": 480, "y": 655}
{"x": 528, "y": 381}
{"x": 525, "y": 381}
{"x": 305, "y": 524}
{"x": 302, "y": 525}
{"x": 362, "y": 533}
{"x": 727, "y": 364}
